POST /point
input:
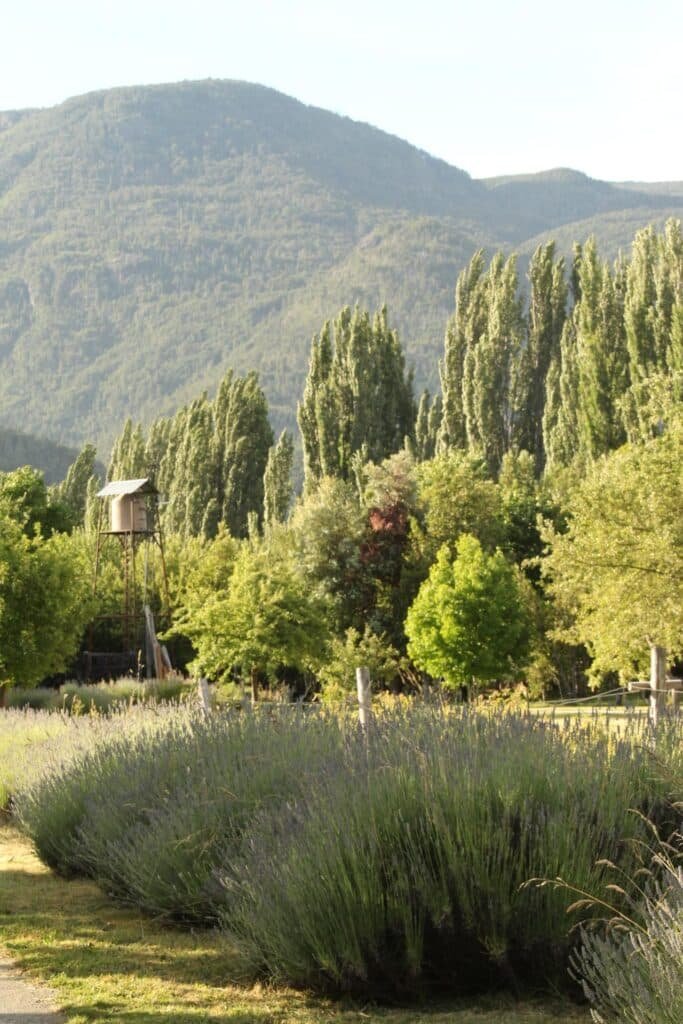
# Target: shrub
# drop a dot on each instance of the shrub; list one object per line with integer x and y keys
{"x": 634, "y": 972}
{"x": 382, "y": 865}
{"x": 150, "y": 812}
{"x": 632, "y": 969}
{"x": 405, "y": 871}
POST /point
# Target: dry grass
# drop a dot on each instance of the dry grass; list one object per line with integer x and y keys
{"x": 110, "y": 964}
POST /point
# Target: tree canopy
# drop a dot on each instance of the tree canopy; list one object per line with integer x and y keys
{"x": 617, "y": 571}
{"x": 470, "y": 622}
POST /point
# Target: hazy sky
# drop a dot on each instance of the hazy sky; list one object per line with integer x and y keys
{"x": 495, "y": 86}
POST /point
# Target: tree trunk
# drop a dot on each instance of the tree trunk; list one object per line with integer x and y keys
{"x": 254, "y": 686}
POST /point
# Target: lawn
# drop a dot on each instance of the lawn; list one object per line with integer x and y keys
{"x": 111, "y": 964}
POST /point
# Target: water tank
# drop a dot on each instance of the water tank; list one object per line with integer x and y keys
{"x": 128, "y": 514}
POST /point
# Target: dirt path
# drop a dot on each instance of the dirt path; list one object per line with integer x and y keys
{"x": 22, "y": 1001}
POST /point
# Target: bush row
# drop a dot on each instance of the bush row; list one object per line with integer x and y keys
{"x": 384, "y": 865}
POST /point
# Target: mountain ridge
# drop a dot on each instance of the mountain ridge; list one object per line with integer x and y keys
{"x": 152, "y": 237}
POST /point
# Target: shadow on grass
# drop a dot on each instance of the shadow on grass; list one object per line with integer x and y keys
{"x": 82, "y": 930}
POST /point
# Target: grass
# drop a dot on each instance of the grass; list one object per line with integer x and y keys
{"x": 80, "y": 698}
{"x": 109, "y": 964}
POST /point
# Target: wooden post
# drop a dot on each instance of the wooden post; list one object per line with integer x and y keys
{"x": 364, "y": 697}
{"x": 204, "y": 699}
{"x": 657, "y": 683}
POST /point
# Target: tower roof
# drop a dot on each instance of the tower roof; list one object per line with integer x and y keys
{"x": 117, "y": 488}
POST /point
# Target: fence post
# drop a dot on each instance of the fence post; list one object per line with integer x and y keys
{"x": 204, "y": 699}
{"x": 364, "y": 697}
{"x": 657, "y": 683}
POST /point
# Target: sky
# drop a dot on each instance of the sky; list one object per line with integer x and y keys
{"x": 493, "y": 87}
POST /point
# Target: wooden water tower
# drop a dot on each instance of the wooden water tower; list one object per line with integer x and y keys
{"x": 134, "y": 520}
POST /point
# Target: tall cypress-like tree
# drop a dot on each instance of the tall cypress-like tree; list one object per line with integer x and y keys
{"x": 545, "y": 322}
{"x": 491, "y": 400}
{"x": 357, "y": 395}
{"x": 73, "y": 490}
{"x": 208, "y": 460}
{"x": 128, "y": 460}
{"x": 560, "y": 420}
{"x": 277, "y": 480}
{"x": 428, "y": 426}
{"x": 463, "y": 331}
{"x": 601, "y": 355}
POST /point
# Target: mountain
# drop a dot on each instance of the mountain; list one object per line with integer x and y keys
{"x": 152, "y": 237}
{"x": 17, "y": 449}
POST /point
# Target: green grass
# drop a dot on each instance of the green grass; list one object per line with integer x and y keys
{"x": 109, "y": 964}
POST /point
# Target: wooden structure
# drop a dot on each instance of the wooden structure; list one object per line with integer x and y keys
{"x": 133, "y": 519}
{"x": 658, "y": 685}
{"x": 364, "y": 689}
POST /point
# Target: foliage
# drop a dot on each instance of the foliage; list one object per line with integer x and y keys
{"x": 616, "y": 573}
{"x": 25, "y": 499}
{"x": 458, "y": 498}
{"x": 45, "y": 603}
{"x": 337, "y": 673}
{"x": 328, "y": 528}
{"x": 266, "y": 617}
{"x": 357, "y": 397}
{"x": 634, "y": 973}
{"x": 72, "y": 492}
{"x": 469, "y": 622}
{"x": 277, "y": 480}
{"x": 208, "y": 461}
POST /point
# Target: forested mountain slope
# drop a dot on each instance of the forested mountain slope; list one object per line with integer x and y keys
{"x": 152, "y": 237}
{"x": 18, "y": 449}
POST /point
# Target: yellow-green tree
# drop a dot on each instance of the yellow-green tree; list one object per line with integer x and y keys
{"x": 617, "y": 572}
{"x": 470, "y": 622}
{"x": 45, "y": 603}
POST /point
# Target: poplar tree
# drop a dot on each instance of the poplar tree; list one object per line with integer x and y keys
{"x": 242, "y": 438}
{"x": 73, "y": 490}
{"x": 427, "y": 426}
{"x": 357, "y": 395}
{"x": 653, "y": 316}
{"x": 128, "y": 459}
{"x": 277, "y": 480}
{"x": 560, "y": 419}
{"x": 601, "y": 355}
{"x": 545, "y": 323}
{"x": 207, "y": 461}
{"x": 463, "y": 331}
{"x": 491, "y": 372}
